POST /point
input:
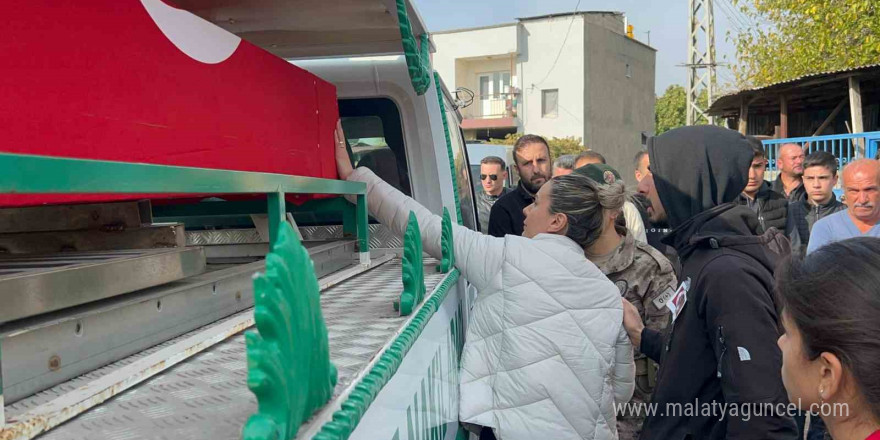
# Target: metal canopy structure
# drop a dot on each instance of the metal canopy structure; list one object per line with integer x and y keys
{"x": 831, "y": 91}
{"x": 311, "y": 28}
{"x": 823, "y": 88}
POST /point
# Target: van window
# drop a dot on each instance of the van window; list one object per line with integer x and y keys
{"x": 374, "y": 133}
{"x": 462, "y": 169}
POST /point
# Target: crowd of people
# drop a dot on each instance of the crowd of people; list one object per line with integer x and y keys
{"x": 710, "y": 286}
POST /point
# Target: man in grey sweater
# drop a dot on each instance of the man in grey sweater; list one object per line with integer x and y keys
{"x": 493, "y": 174}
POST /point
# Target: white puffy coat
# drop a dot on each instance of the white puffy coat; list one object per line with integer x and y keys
{"x": 546, "y": 355}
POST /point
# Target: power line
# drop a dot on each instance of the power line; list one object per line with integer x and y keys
{"x": 745, "y": 17}
{"x": 741, "y": 19}
{"x": 564, "y": 40}
{"x": 731, "y": 20}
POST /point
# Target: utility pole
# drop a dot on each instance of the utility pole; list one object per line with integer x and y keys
{"x": 701, "y": 60}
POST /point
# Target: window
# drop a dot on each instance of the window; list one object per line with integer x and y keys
{"x": 549, "y": 103}
{"x": 374, "y": 133}
{"x": 629, "y": 71}
{"x": 462, "y": 170}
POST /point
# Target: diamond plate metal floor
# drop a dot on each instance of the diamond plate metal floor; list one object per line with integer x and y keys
{"x": 206, "y": 397}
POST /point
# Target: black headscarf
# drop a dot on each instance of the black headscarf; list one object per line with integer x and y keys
{"x": 697, "y": 168}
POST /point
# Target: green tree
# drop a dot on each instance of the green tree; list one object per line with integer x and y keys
{"x": 558, "y": 146}
{"x": 791, "y": 38}
{"x": 669, "y": 109}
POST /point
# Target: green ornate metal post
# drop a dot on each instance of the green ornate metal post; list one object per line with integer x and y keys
{"x": 418, "y": 58}
{"x": 277, "y": 215}
{"x": 289, "y": 367}
{"x": 447, "y": 262}
{"x": 412, "y": 268}
{"x": 363, "y": 228}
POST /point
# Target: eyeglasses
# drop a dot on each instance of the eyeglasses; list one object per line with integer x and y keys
{"x": 492, "y": 177}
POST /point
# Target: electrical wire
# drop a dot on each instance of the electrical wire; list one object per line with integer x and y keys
{"x": 564, "y": 40}
{"x": 734, "y": 16}
{"x": 738, "y": 27}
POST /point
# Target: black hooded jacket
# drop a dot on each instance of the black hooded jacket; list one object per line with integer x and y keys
{"x": 719, "y": 357}
{"x": 770, "y": 206}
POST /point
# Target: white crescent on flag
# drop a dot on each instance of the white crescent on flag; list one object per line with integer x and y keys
{"x": 197, "y": 38}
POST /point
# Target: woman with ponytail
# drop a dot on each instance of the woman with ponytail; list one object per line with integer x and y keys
{"x": 546, "y": 355}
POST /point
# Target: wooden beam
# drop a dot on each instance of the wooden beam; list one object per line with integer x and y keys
{"x": 855, "y": 109}
{"x": 855, "y": 104}
{"x": 783, "y": 117}
{"x": 830, "y": 117}
{"x": 743, "y": 115}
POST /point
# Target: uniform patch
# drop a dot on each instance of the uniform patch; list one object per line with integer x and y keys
{"x": 608, "y": 176}
{"x": 622, "y": 285}
{"x": 661, "y": 300}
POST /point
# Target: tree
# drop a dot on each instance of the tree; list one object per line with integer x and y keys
{"x": 669, "y": 110}
{"x": 791, "y": 38}
{"x": 558, "y": 146}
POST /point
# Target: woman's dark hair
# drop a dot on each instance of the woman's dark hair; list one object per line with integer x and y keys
{"x": 833, "y": 297}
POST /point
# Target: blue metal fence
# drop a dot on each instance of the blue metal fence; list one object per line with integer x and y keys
{"x": 845, "y": 147}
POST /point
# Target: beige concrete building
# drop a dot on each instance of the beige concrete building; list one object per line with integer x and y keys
{"x": 557, "y": 76}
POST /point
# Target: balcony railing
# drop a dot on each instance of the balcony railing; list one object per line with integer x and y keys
{"x": 498, "y": 105}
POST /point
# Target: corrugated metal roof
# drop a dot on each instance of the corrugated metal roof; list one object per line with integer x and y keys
{"x": 724, "y": 100}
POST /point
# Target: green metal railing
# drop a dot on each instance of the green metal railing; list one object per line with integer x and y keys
{"x": 29, "y": 174}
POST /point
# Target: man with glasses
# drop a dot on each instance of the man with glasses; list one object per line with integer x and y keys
{"x": 493, "y": 174}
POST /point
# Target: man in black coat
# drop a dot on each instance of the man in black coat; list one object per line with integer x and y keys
{"x": 791, "y": 168}
{"x": 720, "y": 358}
{"x": 770, "y": 206}
{"x": 531, "y": 156}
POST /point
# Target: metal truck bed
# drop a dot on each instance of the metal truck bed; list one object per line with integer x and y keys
{"x": 206, "y": 396}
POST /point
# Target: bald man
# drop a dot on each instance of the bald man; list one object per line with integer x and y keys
{"x": 791, "y": 169}
{"x": 861, "y": 184}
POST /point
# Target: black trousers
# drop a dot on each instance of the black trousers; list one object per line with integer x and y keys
{"x": 487, "y": 434}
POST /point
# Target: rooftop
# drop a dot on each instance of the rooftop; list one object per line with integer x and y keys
{"x": 815, "y": 89}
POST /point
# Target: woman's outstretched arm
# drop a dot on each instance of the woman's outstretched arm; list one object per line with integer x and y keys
{"x": 478, "y": 256}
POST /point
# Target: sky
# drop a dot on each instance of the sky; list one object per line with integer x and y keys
{"x": 666, "y": 20}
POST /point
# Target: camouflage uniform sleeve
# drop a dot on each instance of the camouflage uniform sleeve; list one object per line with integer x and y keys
{"x": 655, "y": 313}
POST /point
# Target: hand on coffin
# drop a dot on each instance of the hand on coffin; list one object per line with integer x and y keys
{"x": 343, "y": 162}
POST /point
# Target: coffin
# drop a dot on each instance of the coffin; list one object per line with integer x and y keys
{"x": 143, "y": 81}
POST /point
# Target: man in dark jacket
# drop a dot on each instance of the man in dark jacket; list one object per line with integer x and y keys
{"x": 720, "y": 358}
{"x": 791, "y": 168}
{"x": 531, "y": 156}
{"x": 820, "y": 176}
{"x": 770, "y": 206}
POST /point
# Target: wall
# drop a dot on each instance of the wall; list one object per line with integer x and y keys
{"x": 618, "y": 108}
{"x": 539, "y": 43}
{"x": 476, "y": 43}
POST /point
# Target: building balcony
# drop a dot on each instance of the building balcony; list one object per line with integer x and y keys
{"x": 491, "y": 111}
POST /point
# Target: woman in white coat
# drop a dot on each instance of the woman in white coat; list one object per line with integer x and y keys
{"x": 546, "y": 355}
